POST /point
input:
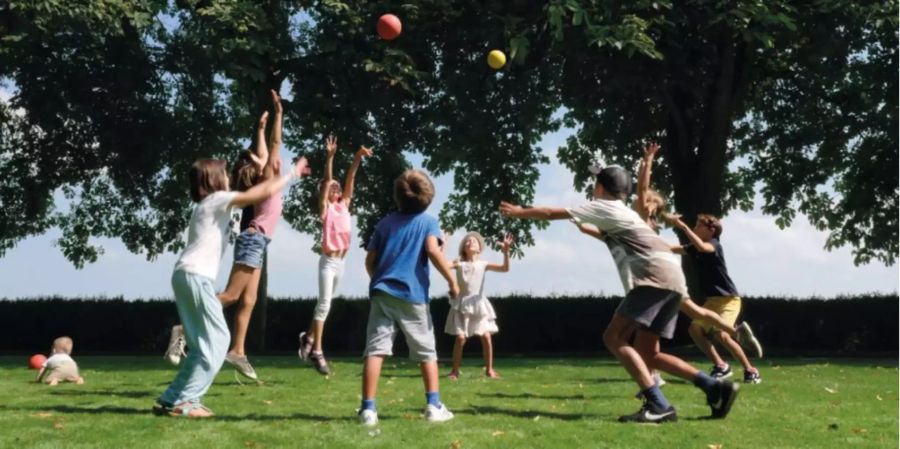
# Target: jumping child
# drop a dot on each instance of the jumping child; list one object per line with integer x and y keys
{"x": 334, "y": 213}
{"x": 471, "y": 312}
{"x": 193, "y": 281}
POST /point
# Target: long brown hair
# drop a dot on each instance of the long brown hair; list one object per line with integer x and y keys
{"x": 206, "y": 177}
{"x": 244, "y": 174}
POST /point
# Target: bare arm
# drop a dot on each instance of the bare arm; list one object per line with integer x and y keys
{"x": 260, "y": 153}
{"x": 589, "y": 229}
{"x": 41, "y": 374}
{"x": 507, "y": 241}
{"x": 351, "y": 173}
{"x": 269, "y": 187}
{"x": 534, "y": 213}
{"x": 644, "y": 175}
{"x": 330, "y": 150}
{"x": 437, "y": 258}
{"x": 371, "y": 259}
{"x": 675, "y": 221}
{"x": 273, "y": 168}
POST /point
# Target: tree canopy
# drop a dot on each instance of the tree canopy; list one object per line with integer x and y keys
{"x": 792, "y": 102}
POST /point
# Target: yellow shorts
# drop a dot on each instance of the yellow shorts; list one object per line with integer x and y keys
{"x": 728, "y": 307}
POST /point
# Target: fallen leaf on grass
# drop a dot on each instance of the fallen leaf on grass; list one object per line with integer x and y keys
{"x": 456, "y": 444}
{"x": 830, "y": 390}
{"x": 408, "y": 416}
{"x": 267, "y": 402}
{"x": 497, "y": 433}
{"x": 714, "y": 446}
{"x": 59, "y": 425}
{"x": 878, "y": 396}
{"x": 537, "y": 418}
{"x": 249, "y": 443}
{"x": 859, "y": 430}
{"x": 47, "y": 415}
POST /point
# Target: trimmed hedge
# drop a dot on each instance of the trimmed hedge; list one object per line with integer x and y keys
{"x": 863, "y": 325}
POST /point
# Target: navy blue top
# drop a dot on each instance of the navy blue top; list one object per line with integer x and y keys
{"x": 401, "y": 267}
{"x": 714, "y": 278}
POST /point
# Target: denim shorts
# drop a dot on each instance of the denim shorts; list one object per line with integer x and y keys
{"x": 250, "y": 247}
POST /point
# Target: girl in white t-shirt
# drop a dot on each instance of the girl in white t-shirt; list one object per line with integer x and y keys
{"x": 471, "y": 313}
{"x": 194, "y": 277}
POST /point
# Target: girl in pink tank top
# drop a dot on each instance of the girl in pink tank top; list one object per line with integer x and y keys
{"x": 334, "y": 213}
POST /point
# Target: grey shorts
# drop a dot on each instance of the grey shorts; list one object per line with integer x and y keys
{"x": 388, "y": 314}
{"x": 654, "y": 308}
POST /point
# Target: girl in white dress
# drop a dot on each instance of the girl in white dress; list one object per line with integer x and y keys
{"x": 471, "y": 313}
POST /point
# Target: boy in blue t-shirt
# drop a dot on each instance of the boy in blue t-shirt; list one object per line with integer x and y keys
{"x": 397, "y": 262}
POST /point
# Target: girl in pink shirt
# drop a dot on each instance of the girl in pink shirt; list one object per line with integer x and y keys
{"x": 334, "y": 213}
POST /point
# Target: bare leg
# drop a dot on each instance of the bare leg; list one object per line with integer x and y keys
{"x": 616, "y": 337}
{"x": 704, "y": 344}
{"x": 240, "y": 277}
{"x": 458, "y": 352}
{"x": 371, "y": 373}
{"x": 316, "y": 329}
{"x": 488, "y": 352}
{"x": 429, "y": 376}
{"x": 244, "y": 312}
{"x": 691, "y": 309}
{"x": 735, "y": 349}
{"x": 647, "y": 344}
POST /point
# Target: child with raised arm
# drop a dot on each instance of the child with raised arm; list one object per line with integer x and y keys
{"x": 471, "y": 312}
{"x": 334, "y": 213}
{"x": 257, "y": 229}
{"x": 60, "y": 367}
{"x": 650, "y": 309}
{"x": 397, "y": 262}
{"x": 721, "y": 295}
{"x": 193, "y": 281}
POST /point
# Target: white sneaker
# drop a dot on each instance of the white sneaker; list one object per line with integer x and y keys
{"x": 747, "y": 340}
{"x": 175, "y": 351}
{"x": 368, "y": 417}
{"x": 437, "y": 414}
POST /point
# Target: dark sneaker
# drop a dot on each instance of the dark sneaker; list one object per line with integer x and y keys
{"x": 306, "y": 345}
{"x": 747, "y": 340}
{"x": 242, "y": 365}
{"x": 721, "y": 398}
{"x": 649, "y": 414}
{"x": 720, "y": 372}
{"x": 752, "y": 377}
{"x": 318, "y": 361}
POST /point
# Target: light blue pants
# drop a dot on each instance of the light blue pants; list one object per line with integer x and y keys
{"x": 206, "y": 334}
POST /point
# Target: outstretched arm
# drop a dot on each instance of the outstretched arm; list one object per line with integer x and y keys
{"x": 273, "y": 168}
{"x": 260, "y": 153}
{"x": 269, "y": 187}
{"x": 589, "y": 229}
{"x": 675, "y": 221}
{"x": 507, "y": 241}
{"x": 330, "y": 150}
{"x": 351, "y": 174}
{"x": 533, "y": 213}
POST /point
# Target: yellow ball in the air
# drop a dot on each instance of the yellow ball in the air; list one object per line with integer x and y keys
{"x": 496, "y": 59}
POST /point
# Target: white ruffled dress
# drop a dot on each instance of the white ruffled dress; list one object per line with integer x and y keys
{"x": 471, "y": 313}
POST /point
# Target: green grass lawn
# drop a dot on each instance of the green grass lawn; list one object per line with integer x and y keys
{"x": 567, "y": 403}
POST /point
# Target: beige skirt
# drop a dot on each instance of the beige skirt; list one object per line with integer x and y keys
{"x": 473, "y": 315}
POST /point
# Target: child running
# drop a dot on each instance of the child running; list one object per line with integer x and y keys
{"x": 397, "y": 262}
{"x": 721, "y": 294}
{"x": 471, "y": 313}
{"x": 650, "y": 309}
{"x": 334, "y": 213}
{"x": 194, "y": 277}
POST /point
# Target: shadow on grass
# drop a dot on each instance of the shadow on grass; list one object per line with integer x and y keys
{"x": 102, "y": 410}
{"x": 577, "y": 397}
{"x": 531, "y": 414}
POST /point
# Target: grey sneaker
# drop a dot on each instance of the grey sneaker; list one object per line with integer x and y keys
{"x": 306, "y": 345}
{"x": 368, "y": 417}
{"x": 242, "y": 365}
{"x": 747, "y": 340}
{"x": 318, "y": 361}
{"x": 437, "y": 414}
{"x": 175, "y": 351}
